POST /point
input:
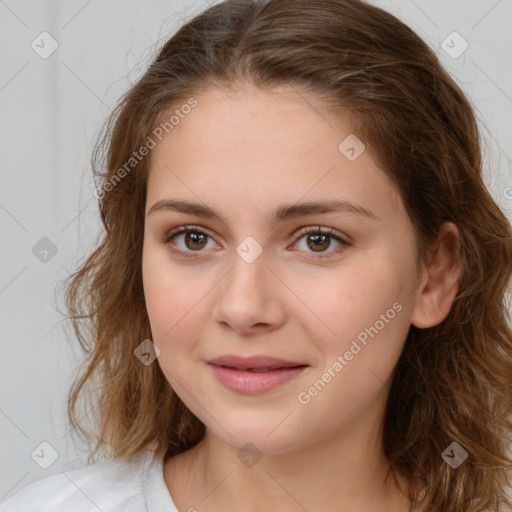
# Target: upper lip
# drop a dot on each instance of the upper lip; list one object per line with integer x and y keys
{"x": 244, "y": 363}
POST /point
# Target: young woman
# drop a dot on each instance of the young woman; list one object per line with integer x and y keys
{"x": 298, "y": 302}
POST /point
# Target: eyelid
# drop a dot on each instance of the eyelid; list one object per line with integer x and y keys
{"x": 323, "y": 231}
{"x": 184, "y": 229}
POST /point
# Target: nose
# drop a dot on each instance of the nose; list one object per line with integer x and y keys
{"x": 249, "y": 299}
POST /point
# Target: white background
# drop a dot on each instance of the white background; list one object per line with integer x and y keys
{"x": 51, "y": 113}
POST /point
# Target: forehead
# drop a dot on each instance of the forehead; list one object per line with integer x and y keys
{"x": 258, "y": 149}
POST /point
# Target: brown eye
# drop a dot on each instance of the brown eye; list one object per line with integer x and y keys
{"x": 319, "y": 240}
{"x": 186, "y": 240}
{"x": 195, "y": 240}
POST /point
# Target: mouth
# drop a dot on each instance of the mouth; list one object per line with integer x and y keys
{"x": 262, "y": 370}
{"x": 258, "y": 363}
{"x": 252, "y": 376}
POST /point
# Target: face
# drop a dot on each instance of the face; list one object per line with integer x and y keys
{"x": 337, "y": 300}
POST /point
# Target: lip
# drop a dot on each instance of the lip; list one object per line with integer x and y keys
{"x": 234, "y": 373}
{"x": 258, "y": 361}
{"x": 249, "y": 383}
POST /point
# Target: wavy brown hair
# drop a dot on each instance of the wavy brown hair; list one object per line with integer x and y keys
{"x": 453, "y": 381}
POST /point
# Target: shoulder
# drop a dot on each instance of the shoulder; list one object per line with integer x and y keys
{"x": 108, "y": 486}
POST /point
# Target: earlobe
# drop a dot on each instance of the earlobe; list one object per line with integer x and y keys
{"x": 439, "y": 285}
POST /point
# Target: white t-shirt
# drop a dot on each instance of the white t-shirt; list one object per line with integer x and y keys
{"x": 127, "y": 484}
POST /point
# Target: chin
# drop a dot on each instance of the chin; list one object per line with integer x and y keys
{"x": 255, "y": 438}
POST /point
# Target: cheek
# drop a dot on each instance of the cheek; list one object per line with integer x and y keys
{"x": 352, "y": 298}
{"x": 364, "y": 319}
{"x": 170, "y": 300}
{"x": 173, "y": 322}
{"x": 370, "y": 323}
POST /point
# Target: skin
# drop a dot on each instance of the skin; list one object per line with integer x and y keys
{"x": 243, "y": 153}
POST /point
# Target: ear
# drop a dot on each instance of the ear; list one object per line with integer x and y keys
{"x": 440, "y": 281}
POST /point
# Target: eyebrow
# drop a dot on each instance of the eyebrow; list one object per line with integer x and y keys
{"x": 279, "y": 214}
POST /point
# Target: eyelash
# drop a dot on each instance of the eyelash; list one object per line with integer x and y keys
{"x": 318, "y": 230}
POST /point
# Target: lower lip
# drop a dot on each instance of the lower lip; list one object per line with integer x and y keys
{"x": 251, "y": 383}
